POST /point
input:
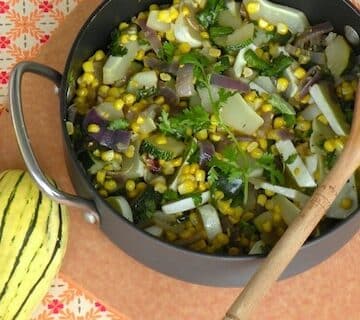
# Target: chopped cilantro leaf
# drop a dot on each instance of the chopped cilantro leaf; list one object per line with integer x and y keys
{"x": 197, "y": 199}
{"x": 267, "y": 162}
{"x": 222, "y": 65}
{"x": 291, "y": 159}
{"x": 194, "y": 118}
{"x": 115, "y": 47}
{"x": 209, "y": 15}
{"x": 281, "y": 104}
{"x": 200, "y": 63}
{"x": 330, "y": 159}
{"x": 146, "y": 92}
{"x": 119, "y": 124}
{"x": 218, "y": 31}
{"x": 170, "y": 196}
{"x": 167, "y": 51}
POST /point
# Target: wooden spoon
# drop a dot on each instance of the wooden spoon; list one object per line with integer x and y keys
{"x": 297, "y": 233}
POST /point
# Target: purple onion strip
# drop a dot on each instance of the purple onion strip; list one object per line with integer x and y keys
{"x": 313, "y": 33}
{"x": 150, "y": 35}
{"x": 207, "y": 151}
{"x": 185, "y": 81}
{"x": 229, "y": 83}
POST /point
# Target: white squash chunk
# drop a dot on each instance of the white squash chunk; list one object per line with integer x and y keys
{"x": 265, "y": 83}
{"x": 133, "y": 168}
{"x": 275, "y": 13}
{"x": 289, "y": 211}
{"x": 121, "y": 205}
{"x": 237, "y": 114}
{"x": 261, "y": 219}
{"x": 330, "y": 108}
{"x": 211, "y": 221}
{"x": 115, "y": 68}
{"x": 228, "y": 19}
{"x": 141, "y": 80}
{"x": 286, "y": 192}
{"x": 183, "y": 32}
{"x": 240, "y": 61}
{"x": 311, "y": 163}
{"x": 293, "y": 88}
{"x": 184, "y": 204}
{"x": 258, "y": 248}
{"x": 337, "y": 54}
{"x": 106, "y": 110}
{"x": 349, "y": 191}
{"x": 240, "y": 35}
{"x": 311, "y": 112}
{"x": 321, "y": 132}
{"x": 297, "y": 168}
{"x": 205, "y": 97}
{"x": 155, "y": 24}
{"x": 147, "y": 126}
{"x": 156, "y": 231}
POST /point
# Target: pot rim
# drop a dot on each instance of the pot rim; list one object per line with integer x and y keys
{"x": 95, "y": 197}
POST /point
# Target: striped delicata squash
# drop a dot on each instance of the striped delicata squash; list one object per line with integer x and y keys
{"x": 33, "y": 238}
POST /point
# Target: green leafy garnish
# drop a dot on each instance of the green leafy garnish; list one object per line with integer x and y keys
{"x": 200, "y": 63}
{"x": 330, "y": 159}
{"x": 115, "y": 47}
{"x": 238, "y": 46}
{"x": 275, "y": 68}
{"x": 145, "y": 205}
{"x": 267, "y": 162}
{"x": 197, "y": 199}
{"x": 167, "y": 51}
{"x": 118, "y": 124}
{"x": 222, "y": 65}
{"x": 146, "y": 92}
{"x": 290, "y": 120}
{"x": 218, "y": 31}
{"x": 170, "y": 196}
{"x": 281, "y": 104}
{"x": 194, "y": 118}
{"x": 291, "y": 159}
{"x": 209, "y": 15}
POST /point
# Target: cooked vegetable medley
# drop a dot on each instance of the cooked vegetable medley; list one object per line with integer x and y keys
{"x": 209, "y": 124}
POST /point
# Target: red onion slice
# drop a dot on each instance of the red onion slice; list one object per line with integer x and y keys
{"x": 313, "y": 34}
{"x": 185, "y": 81}
{"x": 315, "y": 57}
{"x": 229, "y": 83}
{"x": 313, "y": 76}
{"x": 207, "y": 151}
{"x": 162, "y": 66}
{"x": 284, "y": 134}
{"x": 170, "y": 95}
{"x": 93, "y": 117}
{"x": 150, "y": 35}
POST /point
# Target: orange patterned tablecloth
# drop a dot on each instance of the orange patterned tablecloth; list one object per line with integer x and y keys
{"x": 25, "y": 25}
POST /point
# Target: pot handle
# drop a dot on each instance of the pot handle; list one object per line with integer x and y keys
{"x": 23, "y": 139}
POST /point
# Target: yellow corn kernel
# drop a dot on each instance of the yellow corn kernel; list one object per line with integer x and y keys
{"x": 123, "y": 26}
{"x": 124, "y": 39}
{"x": 218, "y": 195}
{"x": 267, "y": 226}
{"x": 202, "y": 134}
{"x": 297, "y": 171}
{"x": 170, "y": 36}
{"x": 153, "y": 7}
{"x": 184, "y": 47}
{"x": 250, "y": 97}
{"x": 339, "y": 144}
{"x": 140, "y": 120}
{"x": 166, "y": 108}
{"x": 204, "y": 35}
{"x": 100, "y": 176}
{"x": 164, "y": 16}
{"x": 110, "y": 185}
{"x": 130, "y": 152}
{"x": 114, "y": 92}
{"x": 256, "y": 153}
{"x": 215, "y": 137}
{"x": 261, "y": 200}
{"x": 200, "y": 175}
{"x": 194, "y": 167}
{"x": 214, "y": 119}
{"x": 247, "y": 216}
{"x": 329, "y": 145}
{"x": 168, "y": 170}
{"x": 103, "y": 193}
{"x": 269, "y": 205}
{"x": 276, "y": 216}
{"x": 203, "y": 186}
{"x": 186, "y": 234}
{"x": 263, "y": 24}
{"x": 170, "y": 235}
{"x": 130, "y": 185}
{"x": 93, "y": 128}
{"x": 185, "y": 11}
{"x": 133, "y": 37}
{"x": 135, "y": 127}
{"x": 263, "y": 143}
{"x": 186, "y": 187}
{"x": 233, "y": 251}
{"x": 88, "y": 77}
{"x": 346, "y": 203}
{"x": 269, "y": 28}
{"x": 279, "y": 122}
{"x": 165, "y": 76}
{"x": 214, "y": 52}
{"x": 174, "y": 13}
{"x": 222, "y": 238}
{"x": 323, "y": 119}
{"x": 243, "y": 145}
{"x": 282, "y": 84}
{"x": 252, "y": 146}
{"x": 103, "y": 90}
{"x": 99, "y": 55}
{"x": 118, "y": 104}
{"x": 282, "y": 28}
{"x": 269, "y": 193}
{"x": 82, "y": 92}
{"x": 141, "y": 186}
{"x": 140, "y": 55}
{"x": 198, "y": 245}
{"x": 108, "y": 155}
{"x": 177, "y": 162}
{"x": 300, "y": 73}
{"x": 224, "y": 207}
{"x": 88, "y": 66}
{"x": 186, "y": 169}
{"x": 267, "y": 107}
{"x": 303, "y": 125}
{"x": 161, "y": 140}
{"x": 129, "y": 99}
{"x": 159, "y": 100}
{"x": 245, "y": 242}
{"x": 253, "y": 7}
{"x": 160, "y": 187}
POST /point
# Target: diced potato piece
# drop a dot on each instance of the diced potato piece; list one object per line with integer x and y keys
{"x": 154, "y": 23}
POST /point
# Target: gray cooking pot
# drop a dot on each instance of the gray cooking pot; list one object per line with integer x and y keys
{"x": 214, "y": 270}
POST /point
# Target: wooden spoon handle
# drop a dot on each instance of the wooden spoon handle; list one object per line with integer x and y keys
{"x": 294, "y": 237}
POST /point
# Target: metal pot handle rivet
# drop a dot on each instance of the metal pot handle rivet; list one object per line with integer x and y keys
{"x": 24, "y": 141}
